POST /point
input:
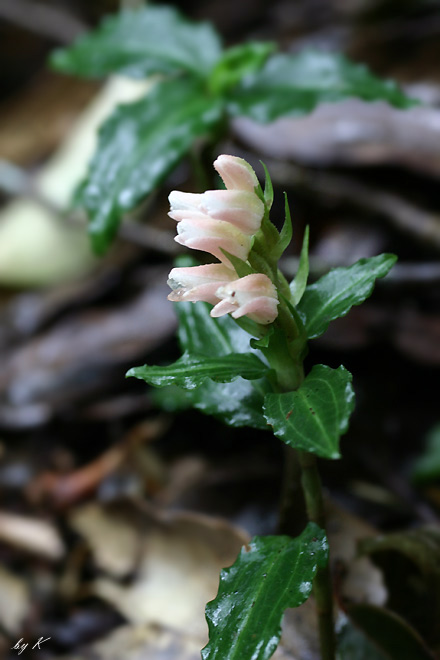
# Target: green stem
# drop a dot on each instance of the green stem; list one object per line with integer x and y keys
{"x": 293, "y": 515}
{"x": 322, "y": 584}
{"x": 314, "y": 501}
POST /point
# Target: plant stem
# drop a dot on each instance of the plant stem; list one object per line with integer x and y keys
{"x": 293, "y": 515}
{"x": 322, "y": 584}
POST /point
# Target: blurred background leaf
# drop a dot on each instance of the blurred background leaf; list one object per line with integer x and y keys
{"x": 141, "y": 42}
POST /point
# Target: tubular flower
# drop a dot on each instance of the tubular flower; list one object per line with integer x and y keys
{"x": 218, "y": 220}
{"x": 200, "y": 232}
{"x": 240, "y": 208}
{"x": 254, "y": 296}
{"x": 198, "y": 283}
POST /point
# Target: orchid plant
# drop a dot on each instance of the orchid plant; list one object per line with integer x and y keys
{"x": 275, "y": 320}
{"x": 244, "y": 329}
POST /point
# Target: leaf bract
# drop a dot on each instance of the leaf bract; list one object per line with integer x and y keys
{"x": 299, "y": 283}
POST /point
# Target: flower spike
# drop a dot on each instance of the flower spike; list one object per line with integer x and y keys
{"x": 224, "y": 223}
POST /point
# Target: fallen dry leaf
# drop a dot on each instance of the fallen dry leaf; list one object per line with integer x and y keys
{"x": 39, "y": 537}
{"x": 14, "y": 600}
{"x": 150, "y": 642}
{"x": 176, "y": 557}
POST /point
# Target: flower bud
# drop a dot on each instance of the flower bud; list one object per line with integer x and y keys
{"x": 236, "y": 173}
{"x": 254, "y": 296}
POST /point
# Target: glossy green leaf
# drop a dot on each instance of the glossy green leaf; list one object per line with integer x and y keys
{"x": 140, "y": 42}
{"x": 299, "y": 283}
{"x": 190, "y": 371}
{"x": 334, "y": 294}
{"x": 239, "y": 403}
{"x": 275, "y": 573}
{"x": 237, "y": 62}
{"x": 138, "y": 146}
{"x": 294, "y": 84}
{"x": 200, "y": 334}
{"x": 313, "y": 417}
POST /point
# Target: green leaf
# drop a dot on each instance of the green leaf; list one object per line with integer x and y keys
{"x": 389, "y": 632}
{"x": 138, "y": 146}
{"x": 353, "y": 644}
{"x": 239, "y": 403}
{"x": 141, "y": 42}
{"x": 313, "y": 417}
{"x": 237, "y": 62}
{"x": 295, "y": 84}
{"x": 333, "y": 295}
{"x": 299, "y": 283}
{"x": 172, "y": 399}
{"x": 427, "y": 467}
{"x": 275, "y": 573}
{"x": 412, "y": 553}
{"x": 190, "y": 371}
{"x": 200, "y": 334}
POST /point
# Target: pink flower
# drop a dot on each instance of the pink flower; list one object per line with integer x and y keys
{"x": 254, "y": 296}
{"x": 198, "y": 283}
{"x": 218, "y": 220}
{"x": 240, "y": 208}
{"x": 236, "y": 173}
{"x": 200, "y": 232}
